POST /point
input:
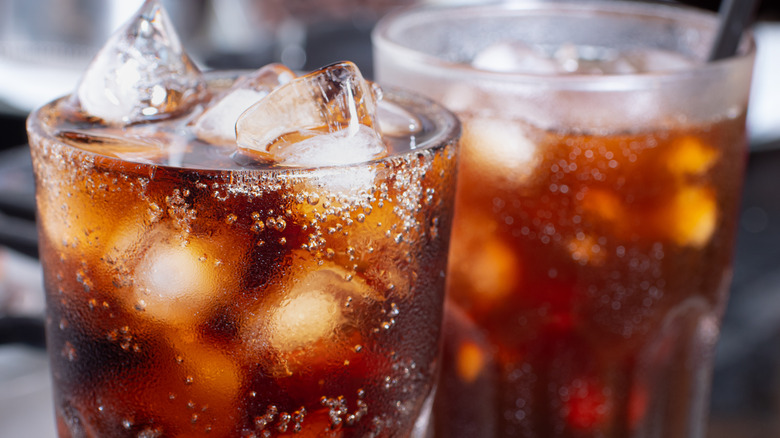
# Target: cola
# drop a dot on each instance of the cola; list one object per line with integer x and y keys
{"x": 602, "y": 160}
{"x": 209, "y": 273}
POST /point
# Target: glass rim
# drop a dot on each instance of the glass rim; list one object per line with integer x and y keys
{"x": 414, "y": 17}
{"x": 447, "y": 130}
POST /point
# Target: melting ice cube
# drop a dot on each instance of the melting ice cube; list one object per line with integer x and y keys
{"x": 177, "y": 277}
{"x": 217, "y": 125}
{"x": 142, "y": 73}
{"x": 500, "y": 149}
{"x": 313, "y": 319}
{"x": 324, "y": 118}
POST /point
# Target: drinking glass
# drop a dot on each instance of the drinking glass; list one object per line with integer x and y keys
{"x": 601, "y": 167}
{"x": 191, "y": 295}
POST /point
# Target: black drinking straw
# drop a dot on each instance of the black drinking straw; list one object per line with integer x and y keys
{"x": 735, "y": 17}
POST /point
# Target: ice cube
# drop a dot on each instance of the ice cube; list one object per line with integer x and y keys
{"x": 499, "y": 149}
{"x": 64, "y": 222}
{"x": 142, "y": 73}
{"x": 177, "y": 277}
{"x": 333, "y": 149}
{"x": 691, "y": 216}
{"x": 344, "y": 181}
{"x": 141, "y": 145}
{"x": 71, "y": 216}
{"x": 311, "y": 320}
{"x": 324, "y": 118}
{"x": 690, "y": 156}
{"x": 210, "y": 375}
{"x": 217, "y": 125}
{"x": 592, "y": 60}
{"x": 483, "y": 265}
{"x": 514, "y": 57}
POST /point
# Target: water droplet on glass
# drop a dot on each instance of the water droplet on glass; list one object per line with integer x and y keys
{"x": 324, "y": 118}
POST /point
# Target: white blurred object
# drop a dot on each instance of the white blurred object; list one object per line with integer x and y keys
{"x": 45, "y": 45}
{"x": 764, "y": 110}
{"x": 21, "y": 285}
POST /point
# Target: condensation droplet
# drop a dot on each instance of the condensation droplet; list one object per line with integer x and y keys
{"x": 393, "y": 310}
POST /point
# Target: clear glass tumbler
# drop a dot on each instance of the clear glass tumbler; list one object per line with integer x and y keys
{"x": 190, "y": 295}
{"x": 596, "y": 211}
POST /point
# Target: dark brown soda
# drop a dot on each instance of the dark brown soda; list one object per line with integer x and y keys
{"x": 205, "y": 299}
{"x": 597, "y": 267}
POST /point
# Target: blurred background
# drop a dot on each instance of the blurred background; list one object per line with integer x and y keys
{"x": 45, "y": 45}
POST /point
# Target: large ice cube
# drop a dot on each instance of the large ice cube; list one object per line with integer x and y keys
{"x": 312, "y": 320}
{"x": 324, "y": 118}
{"x": 500, "y": 149}
{"x": 332, "y": 149}
{"x": 142, "y": 73}
{"x": 689, "y": 156}
{"x": 177, "y": 278}
{"x": 484, "y": 265}
{"x": 171, "y": 280}
{"x": 217, "y": 125}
